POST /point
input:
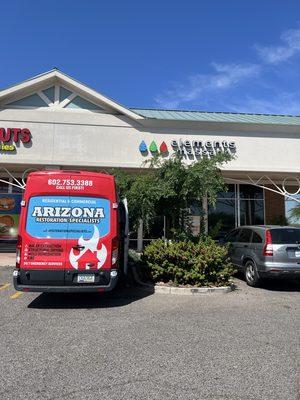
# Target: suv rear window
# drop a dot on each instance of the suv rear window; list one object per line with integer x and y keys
{"x": 232, "y": 236}
{"x": 245, "y": 236}
{"x": 67, "y": 217}
{"x": 256, "y": 238}
{"x": 285, "y": 236}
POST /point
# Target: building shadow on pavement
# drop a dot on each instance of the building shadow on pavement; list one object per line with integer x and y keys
{"x": 118, "y": 298}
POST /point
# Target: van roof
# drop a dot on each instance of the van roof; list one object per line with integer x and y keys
{"x": 73, "y": 172}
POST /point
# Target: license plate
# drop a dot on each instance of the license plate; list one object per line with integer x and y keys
{"x": 90, "y": 278}
{"x": 297, "y": 253}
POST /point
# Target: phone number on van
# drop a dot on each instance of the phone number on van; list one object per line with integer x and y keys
{"x": 69, "y": 182}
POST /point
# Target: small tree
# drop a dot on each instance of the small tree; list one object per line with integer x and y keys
{"x": 295, "y": 215}
{"x": 169, "y": 186}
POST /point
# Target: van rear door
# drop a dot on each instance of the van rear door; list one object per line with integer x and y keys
{"x": 44, "y": 231}
{"x": 91, "y": 228}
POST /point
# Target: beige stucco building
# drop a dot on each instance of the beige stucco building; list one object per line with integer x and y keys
{"x": 54, "y": 121}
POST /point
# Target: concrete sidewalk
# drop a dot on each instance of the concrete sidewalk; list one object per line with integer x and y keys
{"x": 7, "y": 259}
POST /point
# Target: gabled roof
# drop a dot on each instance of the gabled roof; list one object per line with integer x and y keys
{"x": 38, "y": 86}
{"x": 57, "y": 77}
{"x": 225, "y": 117}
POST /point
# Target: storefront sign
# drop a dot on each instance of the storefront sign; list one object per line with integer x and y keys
{"x": 10, "y": 136}
{"x": 202, "y": 147}
{"x": 190, "y": 148}
{"x": 7, "y": 147}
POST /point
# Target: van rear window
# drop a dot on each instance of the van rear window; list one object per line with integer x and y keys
{"x": 67, "y": 217}
{"x": 285, "y": 236}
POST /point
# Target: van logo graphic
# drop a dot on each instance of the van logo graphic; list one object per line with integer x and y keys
{"x": 89, "y": 248}
{"x": 67, "y": 214}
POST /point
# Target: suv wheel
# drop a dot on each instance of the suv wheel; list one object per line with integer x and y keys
{"x": 251, "y": 274}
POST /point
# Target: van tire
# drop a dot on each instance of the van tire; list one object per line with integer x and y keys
{"x": 251, "y": 275}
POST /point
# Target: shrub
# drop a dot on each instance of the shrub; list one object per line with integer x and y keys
{"x": 133, "y": 256}
{"x": 186, "y": 263}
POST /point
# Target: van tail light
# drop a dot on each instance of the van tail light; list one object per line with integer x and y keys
{"x": 18, "y": 252}
{"x": 114, "y": 252}
{"x": 268, "y": 247}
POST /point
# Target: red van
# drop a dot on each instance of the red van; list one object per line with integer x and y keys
{"x": 68, "y": 233}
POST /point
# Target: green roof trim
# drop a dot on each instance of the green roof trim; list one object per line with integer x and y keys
{"x": 206, "y": 116}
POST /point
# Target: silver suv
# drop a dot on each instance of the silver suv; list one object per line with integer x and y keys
{"x": 265, "y": 251}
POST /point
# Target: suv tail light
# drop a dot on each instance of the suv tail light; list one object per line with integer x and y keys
{"x": 114, "y": 252}
{"x": 268, "y": 247}
{"x": 18, "y": 252}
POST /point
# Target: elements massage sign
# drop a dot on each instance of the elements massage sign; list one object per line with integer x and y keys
{"x": 190, "y": 148}
{"x": 200, "y": 148}
{"x": 10, "y": 136}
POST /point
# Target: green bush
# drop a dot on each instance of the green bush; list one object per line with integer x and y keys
{"x": 186, "y": 263}
{"x": 133, "y": 256}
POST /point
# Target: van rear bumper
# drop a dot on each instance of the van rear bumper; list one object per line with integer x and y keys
{"x": 63, "y": 288}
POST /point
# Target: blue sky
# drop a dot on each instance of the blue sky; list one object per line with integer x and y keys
{"x": 239, "y": 56}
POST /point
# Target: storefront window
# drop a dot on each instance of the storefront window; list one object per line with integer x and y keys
{"x": 251, "y": 205}
{"x": 16, "y": 189}
{"x": 292, "y": 211}
{"x": 251, "y": 192}
{"x": 133, "y": 242}
{"x": 3, "y": 186}
{"x": 240, "y": 205}
{"x": 229, "y": 194}
{"x": 251, "y": 212}
{"x": 222, "y": 217}
{"x": 156, "y": 231}
{"x": 7, "y": 188}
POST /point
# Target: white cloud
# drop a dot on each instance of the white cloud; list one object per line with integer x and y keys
{"x": 275, "y": 54}
{"x": 283, "y": 103}
{"x": 225, "y": 76}
{"x": 211, "y": 88}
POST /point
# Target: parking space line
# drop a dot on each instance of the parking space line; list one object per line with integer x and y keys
{"x": 4, "y": 286}
{"x": 16, "y": 295}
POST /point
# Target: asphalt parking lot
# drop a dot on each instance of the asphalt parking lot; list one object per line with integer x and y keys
{"x": 136, "y": 345}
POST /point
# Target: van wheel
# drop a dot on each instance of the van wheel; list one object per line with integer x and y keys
{"x": 251, "y": 274}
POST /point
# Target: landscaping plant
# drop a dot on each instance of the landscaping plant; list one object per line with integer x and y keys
{"x": 168, "y": 187}
{"x": 204, "y": 263}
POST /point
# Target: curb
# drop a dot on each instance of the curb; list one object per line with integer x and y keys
{"x": 193, "y": 291}
{"x": 189, "y": 291}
